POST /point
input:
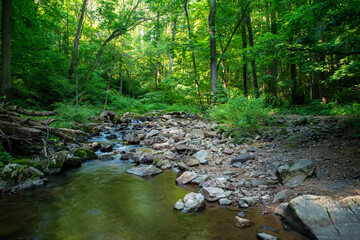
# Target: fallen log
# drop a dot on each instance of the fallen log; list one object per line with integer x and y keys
{"x": 19, "y": 132}
{"x": 30, "y": 113}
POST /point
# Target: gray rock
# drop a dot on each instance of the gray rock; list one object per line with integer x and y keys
{"x": 106, "y": 148}
{"x": 181, "y": 147}
{"x": 144, "y": 170}
{"x": 203, "y": 156}
{"x": 257, "y": 182}
{"x": 191, "y": 161}
{"x": 179, "y": 205}
{"x": 152, "y": 133}
{"x": 281, "y": 208}
{"x": 197, "y": 133}
{"x": 281, "y": 196}
{"x": 320, "y": 217}
{"x": 36, "y": 172}
{"x": 243, "y": 158}
{"x": 228, "y": 151}
{"x": 237, "y": 164}
{"x": 183, "y": 166}
{"x": 265, "y": 236}
{"x": 200, "y": 179}
{"x": 186, "y": 177}
{"x": 95, "y": 145}
{"x": 249, "y": 200}
{"x": 212, "y": 194}
{"x": 224, "y": 201}
{"x": 293, "y": 174}
{"x": 192, "y": 202}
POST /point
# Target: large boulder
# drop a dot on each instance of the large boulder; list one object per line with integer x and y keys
{"x": 143, "y": 170}
{"x": 191, "y": 202}
{"x": 16, "y": 176}
{"x": 85, "y": 154}
{"x": 320, "y": 217}
{"x": 55, "y": 162}
{"x": 107, "y": 116}
{"x": 293, "y": 174}
{"x": 191, "y": 161}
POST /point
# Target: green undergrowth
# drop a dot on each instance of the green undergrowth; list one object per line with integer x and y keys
{"x": 240, "y": 117}
{"x": 319, "y": 108}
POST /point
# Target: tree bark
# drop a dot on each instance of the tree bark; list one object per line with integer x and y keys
{"x": 253, "y": 67}
{"x": 77, "y": 39}
{"x": 244, "y": 65}
{"x": 192, "y": 54}
{"x": 110, "y": 76}
{"x": 273, "y": 69}
{"x": 213, "y": 62}
{"x": 6, "y": 50}
{"x": 223, "y": 66}
{"x": 293, "y": 79}
{"x": 171, "y": 65}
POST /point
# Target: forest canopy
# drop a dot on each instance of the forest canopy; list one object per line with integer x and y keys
{"x": 128, "y": 54}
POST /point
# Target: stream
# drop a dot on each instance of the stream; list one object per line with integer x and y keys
{"x": 101, "y": 201}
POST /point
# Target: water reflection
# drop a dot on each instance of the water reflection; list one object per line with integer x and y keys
{"x": 101, "y": 201}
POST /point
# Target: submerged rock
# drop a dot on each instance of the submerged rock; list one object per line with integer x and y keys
{"x": 242, "y": 222}
{"x": 265, "y": 236}
{"x": 144, "y": 170}
{"x": 320, "y": 217}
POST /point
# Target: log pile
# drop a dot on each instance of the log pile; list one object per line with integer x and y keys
{"x": 16, "y": 124}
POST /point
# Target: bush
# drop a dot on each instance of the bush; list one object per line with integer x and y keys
{"x": 240, "y": 112}
{"x": 69, "y": 114}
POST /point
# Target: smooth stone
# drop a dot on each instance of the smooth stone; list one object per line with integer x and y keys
{"x": 281, "y": 196}
{"x": 204, "y": 156}
{"x": 186, "y": 177}
{"x": 191, "y": 161}
{"x": 144, "y": 170}
{"x": 243, "y": 158}
{"x": 242, "y": 222}
{"x": 265, "y": 236}
{"x": 212, "y": 194}
{"x": 281, "y": 208}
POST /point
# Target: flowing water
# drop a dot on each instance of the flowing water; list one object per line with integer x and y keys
{"x": 101, "y": 201}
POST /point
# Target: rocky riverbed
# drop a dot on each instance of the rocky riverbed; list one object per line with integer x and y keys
{"x": 302, "y": 156}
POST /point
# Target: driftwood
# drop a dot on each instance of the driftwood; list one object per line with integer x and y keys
{"x": 14, "y": 126}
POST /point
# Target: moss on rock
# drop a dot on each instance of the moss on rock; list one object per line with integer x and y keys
{"x": 85, "y": 154}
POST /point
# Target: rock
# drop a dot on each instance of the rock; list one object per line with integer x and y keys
{"x": 144, "y": 170}
{"x": 95, "y": 146}
{"x": 281, "y": 196}
{"x": 152, "y": 133}
{"x": 237, "y": 164}
{"x": 281, "y": 208}
{"x": 107, "y": 157}
{"x": 106, "y": 148}
{"x": 159, "y": 146}
{"x": 183, "y": 166}
{"x": 36, "y": 172}
{"x": 55, "y": 162}
{"x": 134, "y": 141}
{"x": 181, "y": 147}
{"x": 243, "y": 158}
{"x": 179, "y": 205}
{"x": 320, "y": 217}
{"x": 203, "y": 156}
{"x": 127, "y": 156}
{"x": 192, "y": 202}
{"x": 221, "y": 182}
{"x": 186, "y": 177}
{"x": 212, "y": 194}
{"x": 242, "y": 222}
{"x": 228, "y": 151}
{"x": 265, "y": 236}
{"x": 293, "y": 174}
{"x": 85, "y": 154}
{"x": 111, "y": 136}
{"x": 257, "y": 182}
{"x": 249, "y": 200}
{"x": 197, "y": 133}
{"x": 224, "y": 201}
{"x": 107, "y": 116}
{"x": 72, "y": 161}
{"x": 200, "y": 179}
{"x": 191, "y": 161}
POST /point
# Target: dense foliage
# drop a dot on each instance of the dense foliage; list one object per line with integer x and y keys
{"x": 296, "y": 52}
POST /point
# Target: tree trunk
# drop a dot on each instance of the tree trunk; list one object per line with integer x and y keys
{"x": 244, "y": 65}
{"x": 6, "y": 50}
{"x": 77, "y": 79}
{"x": 77, "y": 39}
{"x": 110, "y": 76}
{"x": 192, "y": 55}
{"x": 171, "y": 65}
{"x": 158, "y": 63}
{"x": 213, "y": 61}
{"x": 223, "y": 66}
{"x": 121, "y": 58}
{"x": 253, "y": 68}
{"x": 293, "y": 79}
{"x": 273, "y": 69}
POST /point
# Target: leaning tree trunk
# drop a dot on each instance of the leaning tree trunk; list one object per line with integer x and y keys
{"x": 192, "y": 55}
{"x": 77, "y": 39}
{"x": 110, "y": 76}
{"x": 6, "y": 50}
{"x": 212, "y": 38}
